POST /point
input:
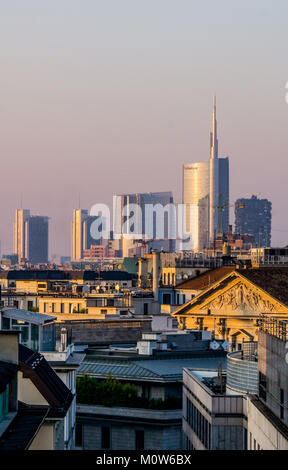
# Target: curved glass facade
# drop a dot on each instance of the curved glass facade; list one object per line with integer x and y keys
{"x": 242, "y": 374}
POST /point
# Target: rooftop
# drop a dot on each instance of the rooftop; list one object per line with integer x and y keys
{"x": 147, "y": 369}
{"x": 27, "y": 316}
{"x": 273, "y": 280}
{"x": 53, "y": 389}
{"x": 58, "y": 275}
{"x": 204, "y": 280}
{"x": 21, "y": 432}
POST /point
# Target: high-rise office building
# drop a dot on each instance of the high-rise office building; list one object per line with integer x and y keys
{"x": 253, "y": 217}
{"x": 36, "y": 234}
{"x": 81, "y": 233}
{"x": 19, "y": 246}
{"x": 206, "y": 195}
{"x": 145, "y": 216}
{"x": 31, "y": 237}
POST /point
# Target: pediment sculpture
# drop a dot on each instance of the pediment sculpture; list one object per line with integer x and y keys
{"x": 242, "y": 299}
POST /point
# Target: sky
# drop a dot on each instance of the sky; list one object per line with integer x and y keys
{"x": 102, "y": 97}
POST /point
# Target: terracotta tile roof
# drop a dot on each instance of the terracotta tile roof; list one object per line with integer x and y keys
{"x": 206, "y": 279}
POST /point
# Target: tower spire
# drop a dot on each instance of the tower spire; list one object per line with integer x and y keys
{"x": 213, "y": 135}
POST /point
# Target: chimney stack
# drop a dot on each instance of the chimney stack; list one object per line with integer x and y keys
{"x": 63, "y": 344}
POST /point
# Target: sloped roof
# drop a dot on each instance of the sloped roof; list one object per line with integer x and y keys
{"x": 273, "y": 280}
{"x": 21, "y": 432}
{"x": 53, "y": 389}
{"x": 120, "y": 368}
{"x": 147, "y": 369}
{"x": 27, "y": 316}
{"x": 204, "y": 280}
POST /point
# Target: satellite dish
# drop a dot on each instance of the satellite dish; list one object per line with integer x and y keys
{"x": 226, "y": 345}
{"x": 214, "y": 345}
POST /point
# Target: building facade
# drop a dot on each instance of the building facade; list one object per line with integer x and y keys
{"x": 136, "y": 220}
{"x": 213, "y": 417}
{"x": 268, "y": 410}
{"x": 81, "y": 237}
{"x": 253, "y": 217}
{"x": 31, "y": 237}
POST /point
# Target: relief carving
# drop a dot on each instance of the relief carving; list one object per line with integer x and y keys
{"x": 241, "y": 299}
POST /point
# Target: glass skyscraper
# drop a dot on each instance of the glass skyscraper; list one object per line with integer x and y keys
{"x": 206, "y": 195}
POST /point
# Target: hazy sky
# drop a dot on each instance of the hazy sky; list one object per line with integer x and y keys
{"x": 100, "y": 97}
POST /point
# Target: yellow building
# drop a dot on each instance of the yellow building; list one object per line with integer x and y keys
{"x": 231, "y": 306}
{"x": 98, "y": 305}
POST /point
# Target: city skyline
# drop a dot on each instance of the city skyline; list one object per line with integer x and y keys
{"x": 70, "y": 126}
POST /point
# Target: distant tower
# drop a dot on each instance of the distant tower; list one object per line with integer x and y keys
{"x": 253, "y": 217}
{"x": 79, "y": 215}
{"x": 81, "y": 238}
{"x": 206, "y": 194}
{"x": 214, "y": 178}
{"x": 19, "y": 245}
{"x": 30, "y": 237}
{"x": 37, "y": 239}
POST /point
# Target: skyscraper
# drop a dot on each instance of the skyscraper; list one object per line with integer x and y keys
{"x": 153, "y": 220}
{"x": 81, "y": 233}
{"x": 253, "y": 217}
{"x": 206, "y": 195}
{"x": 36, "y": 233}
{"x": 31, "y": 237}
{"x": 19, "y": 245}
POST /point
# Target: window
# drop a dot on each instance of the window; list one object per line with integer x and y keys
{"x": 4, "y": 403}
{"x": 166, "y": 299}
{"x": 139, "y": 437}
{"x": 62, "y": 308}
{"x": 198, "y": 423}
{"x": 105, "y": 437}
{"x": 145, "y": 308}
{"x": 5, "y": 323}
{"x": 79, "y": 435}
{"x": 25, "y": 336}
{"x": 34, "y": 337}
{"x": 262, "y": 386}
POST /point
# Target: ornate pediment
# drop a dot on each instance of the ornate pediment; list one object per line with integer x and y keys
{"x": 241, "y": 298}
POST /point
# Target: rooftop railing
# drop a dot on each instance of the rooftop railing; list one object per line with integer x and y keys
{"x": 274, "y": 327}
